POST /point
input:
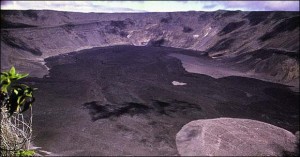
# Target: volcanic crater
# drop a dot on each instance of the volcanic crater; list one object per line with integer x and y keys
{"x": 105, "y": 80}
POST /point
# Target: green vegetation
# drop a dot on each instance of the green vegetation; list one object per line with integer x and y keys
{"x": 15, "y": 99}
{"x": 24, "y": 153}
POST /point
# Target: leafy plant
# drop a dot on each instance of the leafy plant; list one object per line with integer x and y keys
{"x": 15, "y": 97}
{"x": 24, "y": 153}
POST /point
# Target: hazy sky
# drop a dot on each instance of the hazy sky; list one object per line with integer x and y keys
{"x": 151, "y": 6}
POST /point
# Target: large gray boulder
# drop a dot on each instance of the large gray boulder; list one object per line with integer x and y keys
{"x": 233, "y": 137}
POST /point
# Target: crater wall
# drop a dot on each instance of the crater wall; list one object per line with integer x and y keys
{"x": 265, "y": 43}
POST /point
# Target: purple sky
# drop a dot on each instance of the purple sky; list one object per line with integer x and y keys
{"x": 151, "y": 6}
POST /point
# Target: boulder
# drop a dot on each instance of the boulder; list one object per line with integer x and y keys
{"x": 233, "y": 137}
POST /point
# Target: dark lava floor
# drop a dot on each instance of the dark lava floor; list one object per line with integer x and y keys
{"x": 120, "y": 100}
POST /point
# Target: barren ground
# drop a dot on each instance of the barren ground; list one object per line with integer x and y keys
{"x": 120, "y": 100}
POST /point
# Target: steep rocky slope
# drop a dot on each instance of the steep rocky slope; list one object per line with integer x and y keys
{"x": 265, "y": 43}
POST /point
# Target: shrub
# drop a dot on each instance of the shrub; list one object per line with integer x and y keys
{"x": 15, "y": 99}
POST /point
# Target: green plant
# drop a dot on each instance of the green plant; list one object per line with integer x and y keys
{"x": 24, "y": 153}
{"x": 15, "y": 97}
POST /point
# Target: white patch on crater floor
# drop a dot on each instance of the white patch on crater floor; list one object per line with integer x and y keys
{"x": 195, "y": 36}
{"x": 176, "y": 83}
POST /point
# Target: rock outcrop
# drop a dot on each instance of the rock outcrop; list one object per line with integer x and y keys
{"x": 234, "y": 137}
{"x": 266, "y": 43}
